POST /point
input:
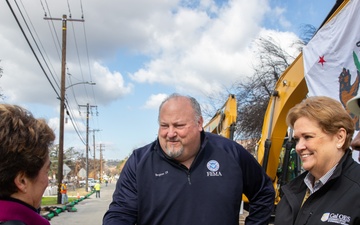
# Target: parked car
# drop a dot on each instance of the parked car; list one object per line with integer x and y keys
{"x": 91, "y": 182}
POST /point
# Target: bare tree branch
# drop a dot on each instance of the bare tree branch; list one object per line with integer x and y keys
{"x": 253, "y": 93}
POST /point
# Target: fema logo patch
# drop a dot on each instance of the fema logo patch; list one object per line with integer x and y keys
{"x": 213, "y": 165}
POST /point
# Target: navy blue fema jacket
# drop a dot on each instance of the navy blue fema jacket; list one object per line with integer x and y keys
{"x": 154, "y": 189}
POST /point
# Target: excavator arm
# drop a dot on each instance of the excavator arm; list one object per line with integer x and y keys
{"x": 224, "y": 121}
{"x": 289, "y": 90}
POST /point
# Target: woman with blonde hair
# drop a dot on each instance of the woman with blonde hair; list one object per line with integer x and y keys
{"x": 329, "y": 189}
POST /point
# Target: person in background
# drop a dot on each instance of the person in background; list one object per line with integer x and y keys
{"x": 354, "y": 106}
{"x": 24, "y": 164}
{"x": 328, "y": 191}
{"x": 188, "y": 176}
{"x": 97, "y": 188}
{"x": 63, "y": 191}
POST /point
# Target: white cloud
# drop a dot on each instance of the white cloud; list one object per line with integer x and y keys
{"x": 195, "y": 49}
{"x": 279, "y": 14}
{"x": 207, "y": 54}
{"x": 154, "y": 101}
{"x": 201, "y": 49}
{"x": 109, "y": 85}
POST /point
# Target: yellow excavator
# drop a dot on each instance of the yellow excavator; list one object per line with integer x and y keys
{"x": 275, "y": 145}
{"x": 224, "y": 121}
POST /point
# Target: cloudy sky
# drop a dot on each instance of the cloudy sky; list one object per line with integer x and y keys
{"x": 137, "y": 52}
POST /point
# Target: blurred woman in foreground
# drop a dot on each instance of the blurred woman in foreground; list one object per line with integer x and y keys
{"x": 24, "y": 164}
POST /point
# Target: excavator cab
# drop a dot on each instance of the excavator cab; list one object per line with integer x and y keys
{"x": 289, "y": 163}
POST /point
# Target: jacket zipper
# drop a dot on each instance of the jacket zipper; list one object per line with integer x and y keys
{"x": 187, "y": 171}
{"x": 310, "y": 214}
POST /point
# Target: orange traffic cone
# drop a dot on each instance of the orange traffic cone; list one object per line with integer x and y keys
{"x": 78, "y": 195}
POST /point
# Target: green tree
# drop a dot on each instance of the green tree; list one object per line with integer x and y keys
{"x": 72, "y": 158}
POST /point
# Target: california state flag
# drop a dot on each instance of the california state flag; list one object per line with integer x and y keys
{"x": 331, "y": 58}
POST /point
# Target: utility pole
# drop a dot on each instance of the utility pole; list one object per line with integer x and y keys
{"x": 94, "y": 130}
{"x": 62, "y": 102}
{"x": 88, "y": 106}
{"x": 101, "y": 161}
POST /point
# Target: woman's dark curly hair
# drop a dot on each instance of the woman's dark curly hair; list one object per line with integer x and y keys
{"x": 24, "y": 146}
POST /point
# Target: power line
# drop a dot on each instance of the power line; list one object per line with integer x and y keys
{"x": 54, "y": 82}
{"x": 42, "y": 47}
{"x": 27, "y": 40}
{"x": 53, "y": 31}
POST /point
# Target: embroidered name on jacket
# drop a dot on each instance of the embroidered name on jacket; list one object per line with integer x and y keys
{"x": 213, "y": 166}
{"x": 161, "y": 174}
{"x": 335, "y": 218}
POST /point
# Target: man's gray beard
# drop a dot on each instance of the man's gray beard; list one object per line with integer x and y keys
{"x": 172, "y": 153}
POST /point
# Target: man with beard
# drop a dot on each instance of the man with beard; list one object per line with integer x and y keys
{"x": 188, "y": 176}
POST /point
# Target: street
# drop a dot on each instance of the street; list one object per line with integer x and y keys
{"x": 90, "y": 211}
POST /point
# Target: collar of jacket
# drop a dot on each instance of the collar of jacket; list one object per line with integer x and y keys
{"x": 343, "y": 163}
{"x": 20, "y": 202}
{"x": 204, "y": 140}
